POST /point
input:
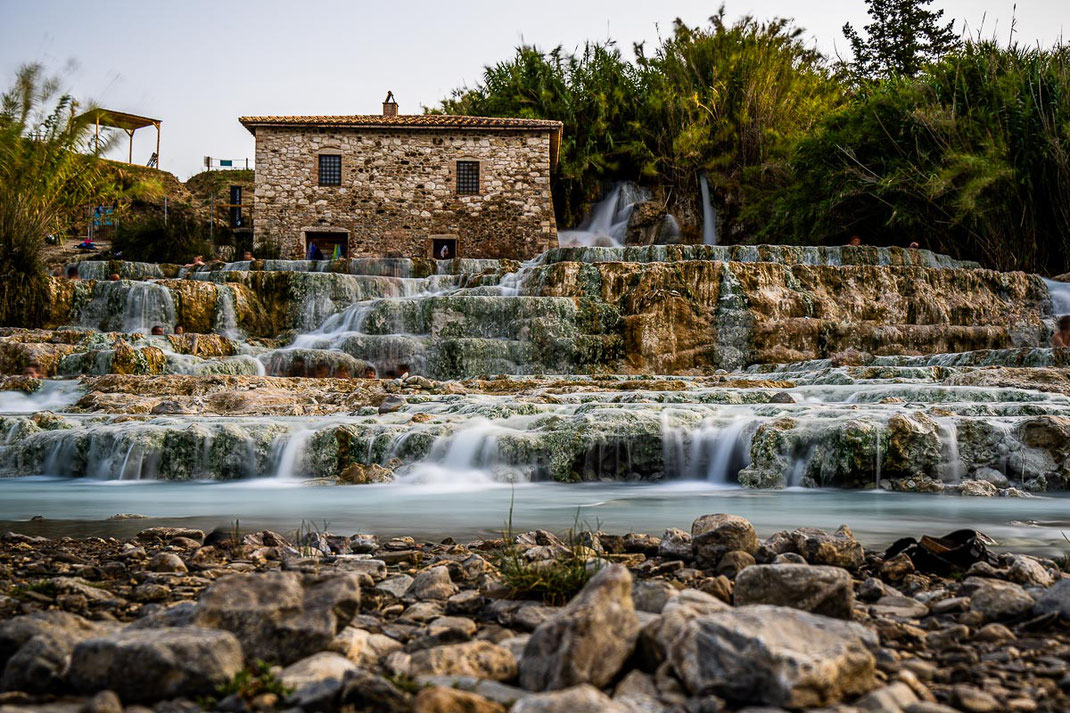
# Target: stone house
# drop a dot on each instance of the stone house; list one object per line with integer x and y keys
{"x": 395, "y": 185}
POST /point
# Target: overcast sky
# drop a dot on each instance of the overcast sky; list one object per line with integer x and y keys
{"x": 200, "y": 64}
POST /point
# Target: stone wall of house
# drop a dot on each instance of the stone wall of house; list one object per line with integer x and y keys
{"x": 398, "y": 191}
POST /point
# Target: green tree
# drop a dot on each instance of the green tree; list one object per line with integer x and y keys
{"x": 45, "y": 174}
{"x": 904, "y": 36}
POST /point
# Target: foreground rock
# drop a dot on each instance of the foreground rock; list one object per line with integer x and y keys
{"x": 821, "y": 590}
{"x": 281, "y": 616}
{"x": 148, "y": 664}
{"x": 775, "y": 655}
{"x": 588, "y": 641}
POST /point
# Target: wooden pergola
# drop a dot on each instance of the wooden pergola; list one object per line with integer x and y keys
{"x": 128, "y": 123}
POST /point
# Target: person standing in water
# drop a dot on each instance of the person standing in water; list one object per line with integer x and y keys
{"x": 1061, "y": 338}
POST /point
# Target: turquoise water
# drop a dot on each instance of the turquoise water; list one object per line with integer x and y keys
{"x": 80, "y": 507}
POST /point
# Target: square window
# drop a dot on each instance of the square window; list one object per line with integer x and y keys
{"x": 468, "y": 178}
{"x": 330, "y": 170}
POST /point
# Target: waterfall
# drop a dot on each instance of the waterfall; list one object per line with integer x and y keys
{"x": 226, "y": 321}
{"x": 949, "y": 442}
{"x": 709, "y": 213}
{"x": 1060, "y": 296}
{"x": 711, "y": 452}
{"x": 148, "y": 305}
{"x": 290, "y": 452}
{"x": 607, "y": 226}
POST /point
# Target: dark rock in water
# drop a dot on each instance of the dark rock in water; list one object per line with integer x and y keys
{"x": 154, "y": 664}
{"x": 283, "y": 616}
{"x": 588, "y": 641}
{"x": 782, "y": 397}
{"x": 775, "y": 655}
{"x": 391, "y": 404}
{"x": 714, "y": 535}
{"x": 817, "y": 589}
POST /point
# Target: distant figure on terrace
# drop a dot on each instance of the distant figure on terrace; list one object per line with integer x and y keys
{"x": 1062, "y": 335}
{"x": 248, "y": 256}
{"x": 914, "y": 246}
{"x": 157, "y": 331}
{"x": 855, "y": 241}
{"x": 114, "y": 277}
{"x": 87, "y": 244}
{"x": 179, "y": 329}
{"x": 72, "y": 272}
{"x": 198, "y": 261}
{"x": 369, "y": 372}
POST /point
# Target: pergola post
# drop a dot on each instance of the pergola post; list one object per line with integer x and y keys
{"x": 130, "y": 153}
{"x": 157, "y": 144}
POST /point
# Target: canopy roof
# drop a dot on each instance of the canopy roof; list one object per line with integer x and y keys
{"x": 120, "y": 119}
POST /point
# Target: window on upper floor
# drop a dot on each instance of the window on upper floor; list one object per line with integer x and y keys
{"x": 330, "y": 170}
{"x": 468, "y": 178}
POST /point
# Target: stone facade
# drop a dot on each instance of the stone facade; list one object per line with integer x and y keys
{"x": 398, "y": 194}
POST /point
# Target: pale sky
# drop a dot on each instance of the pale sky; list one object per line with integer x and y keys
{"x": 200, "y": 64}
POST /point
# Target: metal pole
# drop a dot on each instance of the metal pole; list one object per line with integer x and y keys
{"x": 211, "y": 216}
{"x": 130, "y": 155}
{"x": 164, "y": 205}
{"x": 157, "y": 145}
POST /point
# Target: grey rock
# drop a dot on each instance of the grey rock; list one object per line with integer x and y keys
{"x": 675, "y": 544}
{"x": 589, "y": 640}
{"x": 395, "y": 586}
{"x": 1056, "y": 599}
{"x": 434, "y": 583}
{"x": 391, "y": 404}
{"x": 651, "y": 595}
{"x": 167, "y": 562}
{"x": 473, "y": 658}
{"x": 775, "y": 655}
{"x": 362, "y": 647}
{"x": 714, "y": 535}
{"x": 152, "y": 664}
{"x": 35, "y": 649}
{"x": 1027, "y": 571}
{"x": 898, "y": 606}
{"x": 283, "y": 616}
{"x": 656, "y": 638}
{"x": 818, "y": 589}
{"x": 315, "y": 669}
{"x": 468, "y": 601}
{"x": 578, "y": 699}
{"x": 998, "y": 600}
{"x": 838, "y": 549}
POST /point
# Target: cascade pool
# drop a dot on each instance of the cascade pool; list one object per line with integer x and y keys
{"x": 476, "y": 509}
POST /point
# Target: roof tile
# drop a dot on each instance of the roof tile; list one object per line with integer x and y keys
{"x": 415, "y": 121}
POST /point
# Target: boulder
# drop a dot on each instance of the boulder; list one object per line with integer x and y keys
{"x": 998, "y": 600}
{"x": 167, "y": 562}
{"x": 280, "y": 616}
{"x": 651, "y": 595}
{"x": 589, "y": 640}
{"x": 362, "y": 647}
{"x": 434, "y": 583}
{"x": 775, "y": 655}
{"x": 1055, "y": 600}
{"x": 1027, "y": 571}
{"x": 656, "y": 637}
{"x": 35, "y": 650}
{"x": 474, "y": 658}
{"x": 675, "y": 544}
{"x": 714, "y": 535}
{"x": 154, "y": 664}
{"x": 578, "y": 699}
{"x": 317, "y": 668}
{"x": 819, "y": 589}
{"x": 838, "y": 549}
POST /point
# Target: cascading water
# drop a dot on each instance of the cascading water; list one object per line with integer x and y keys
{"x": 714, "y": 451}
{"x": 1060, "y": 296}
{"x": 607, "y": 226}
{"x": 709, "y": 212}
{"x": 148, "y": 305}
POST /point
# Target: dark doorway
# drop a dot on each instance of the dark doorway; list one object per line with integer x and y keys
{"x": 444, "y": 248}
{"x": 326, "y": 246}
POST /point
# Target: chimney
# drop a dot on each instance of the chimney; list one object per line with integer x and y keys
{"x": 390, "y": 107}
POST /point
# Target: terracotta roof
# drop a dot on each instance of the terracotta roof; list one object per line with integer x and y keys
{"x": 415, "y": 121}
